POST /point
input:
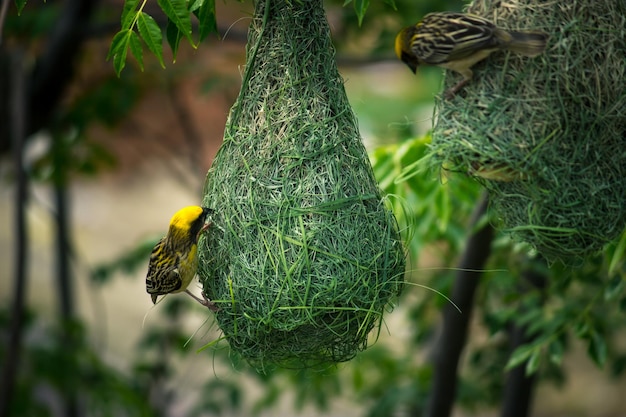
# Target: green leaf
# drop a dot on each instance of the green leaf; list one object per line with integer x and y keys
{"x": 129, "y": 13}
{"x": 151, "y": 34}
{"x": 20, "y": 6}
{"x": 614, "y": 288}
{"x": 358, "y": 379}
{"x": 582, "y": 329}
{"x": 136, "y": 49}
{"x": 360, "y": 7}
{"x": 533, "y": 362}
{"x": 194, "y": 5}
{"x": 619, "y": 255}
{"x": 173, "y": 35}
{"x": 391, "y": 3}
{"x": 556, "y": 351}
{"x": 597, "y": 348}
{"x": 520, "y": 355}
{"x": 444, "y": 209}
{"x": 118, "y": 50}
{"x": 176, "y": 11}
{"x": 206, "y": 18}
{"x": 619, "y": 366}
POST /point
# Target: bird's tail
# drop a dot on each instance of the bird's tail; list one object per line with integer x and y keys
{"x": 528, "y": 43}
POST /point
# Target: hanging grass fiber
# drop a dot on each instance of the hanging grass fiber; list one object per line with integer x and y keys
{"x": 303, "y": 256}
{"x": 547, "y": 135}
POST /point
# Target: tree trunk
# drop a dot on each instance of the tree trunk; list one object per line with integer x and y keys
{"x": 19, "y": 124}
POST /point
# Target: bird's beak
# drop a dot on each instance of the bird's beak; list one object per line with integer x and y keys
{"x": 205, "y": 211}
{"x": 410, "y": 62}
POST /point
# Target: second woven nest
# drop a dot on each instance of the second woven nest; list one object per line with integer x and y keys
{"x": 551, "y": 130}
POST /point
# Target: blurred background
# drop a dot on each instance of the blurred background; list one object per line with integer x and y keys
{"x": 107, "y": 161}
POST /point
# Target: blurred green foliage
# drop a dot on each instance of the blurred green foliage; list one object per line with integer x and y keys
{"x": 58, "y": 360}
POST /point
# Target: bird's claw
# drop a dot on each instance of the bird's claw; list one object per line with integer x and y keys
{"x": 209, "y": 304}
{"x": 451, "y": 92}
{"x": 204, "y": 301}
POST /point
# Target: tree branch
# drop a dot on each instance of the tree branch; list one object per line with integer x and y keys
{"x": 450, "y": 345}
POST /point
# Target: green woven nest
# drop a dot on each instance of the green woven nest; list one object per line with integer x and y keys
{"x": 303, "y": 257}
{"x": 554, "y": 126}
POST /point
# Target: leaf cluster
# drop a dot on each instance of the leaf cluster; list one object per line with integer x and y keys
{"x": 138, "y": 26}
{"x": 431, "y": 207}
{"x": 586, "y": 304}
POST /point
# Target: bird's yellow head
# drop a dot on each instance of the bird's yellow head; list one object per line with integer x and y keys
{"x": 188, "y": 221}
{"x": 403, "y": 48}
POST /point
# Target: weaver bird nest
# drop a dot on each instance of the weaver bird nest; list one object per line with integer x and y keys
{"x": 303, "y": 256}
{"x": 547, "y": 135}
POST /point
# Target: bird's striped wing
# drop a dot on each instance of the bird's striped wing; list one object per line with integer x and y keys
{"x": 163, "y": 272}
{"x": 444, "y": 37}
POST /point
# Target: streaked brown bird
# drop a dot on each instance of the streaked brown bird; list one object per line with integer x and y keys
{"x": 174, "y": 261}
{"x": 457, "y": 41}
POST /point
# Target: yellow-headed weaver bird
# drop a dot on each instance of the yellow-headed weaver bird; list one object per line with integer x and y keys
{"x": 174, "y": 261}
{"x": 457, "y": 41}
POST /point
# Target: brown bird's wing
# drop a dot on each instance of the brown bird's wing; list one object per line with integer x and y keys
{"x": 444, "y": 37}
